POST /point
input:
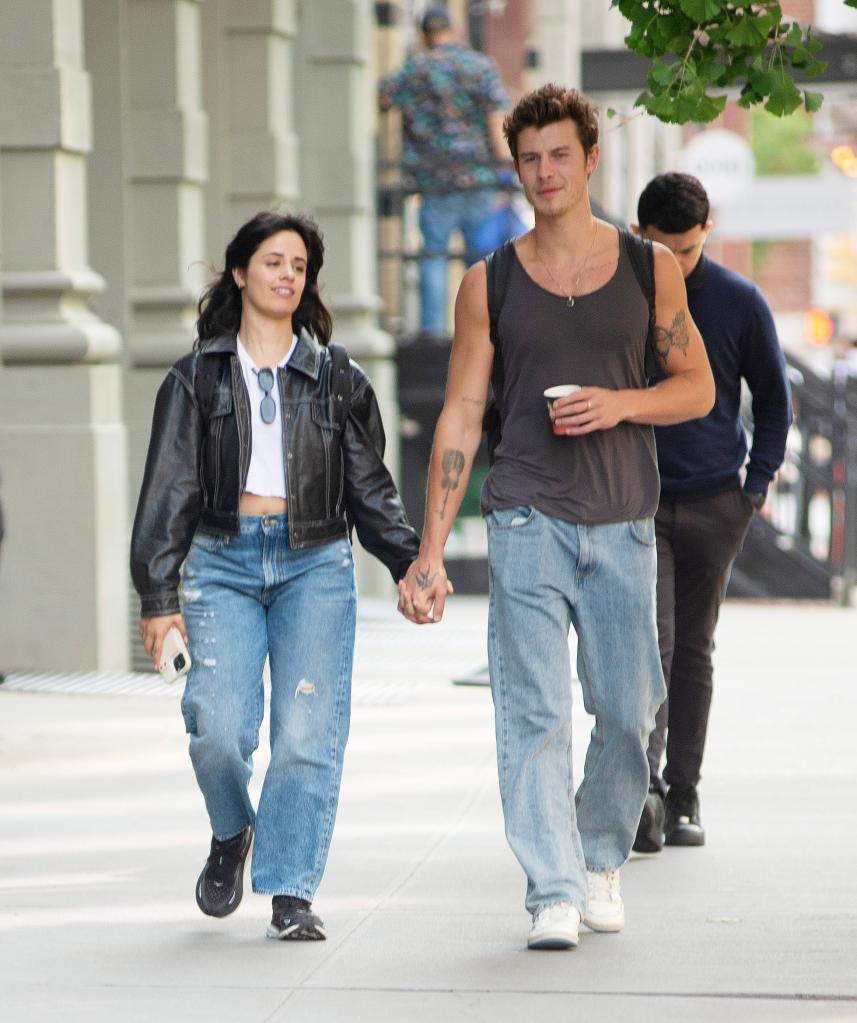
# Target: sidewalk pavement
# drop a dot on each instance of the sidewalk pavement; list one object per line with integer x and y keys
{"x": 103, "y": 834}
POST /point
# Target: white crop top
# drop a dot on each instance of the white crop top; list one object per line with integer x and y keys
{"x": 267, "y": 474}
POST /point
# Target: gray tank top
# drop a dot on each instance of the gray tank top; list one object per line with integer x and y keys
{"x": 606, "y": 476}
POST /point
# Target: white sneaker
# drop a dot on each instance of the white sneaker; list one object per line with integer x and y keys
{"x": 605, "y": 910}
{"x": 554, "y": 926}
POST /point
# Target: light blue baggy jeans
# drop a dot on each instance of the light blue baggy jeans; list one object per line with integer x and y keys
{"x": 440, "y": 215}
{"x": 546, "y": 575}
{"x": 244, "y": 597}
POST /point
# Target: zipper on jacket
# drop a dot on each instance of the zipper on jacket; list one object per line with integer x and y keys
{"x": 241, "y": 401}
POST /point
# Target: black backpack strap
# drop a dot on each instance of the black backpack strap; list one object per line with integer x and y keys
{"x": 340, "y": 381}
{"x": 498, "y": 268}
{"x": 642, "y": 256}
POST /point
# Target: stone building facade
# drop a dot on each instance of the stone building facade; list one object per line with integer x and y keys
{"x": 135, "y": 136}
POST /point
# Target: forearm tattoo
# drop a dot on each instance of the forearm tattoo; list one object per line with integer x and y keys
{"x": 452, "y": 464}
{"x": 676, "y": 337}
{"x": 425, "y": 577}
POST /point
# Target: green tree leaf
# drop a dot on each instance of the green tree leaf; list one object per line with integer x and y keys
{"x": 744, "y": 32}
{"x": 812, "y": 100}
{"x": 783, "y": 97}
{"x": 702, "y": 11}
{"x": 698, "y": 48}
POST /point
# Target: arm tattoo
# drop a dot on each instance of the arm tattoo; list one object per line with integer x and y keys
{"x": 675, "y": 337}
{"x": 452, "y": 464}
{"x": 424, "y": 580}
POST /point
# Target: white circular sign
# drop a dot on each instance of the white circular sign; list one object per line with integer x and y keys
{"x": 722, "y": 160}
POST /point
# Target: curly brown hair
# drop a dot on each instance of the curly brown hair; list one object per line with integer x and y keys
{"x": 547, "y": 105}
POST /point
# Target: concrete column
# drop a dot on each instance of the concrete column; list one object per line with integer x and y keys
{"x": 337, "y": 129}
{"x": 166, "y": 169}
{"x": 257, "y": 151}
{"x": 557, "y": 43}
{"x": 388, "y": 54}
{"x": 62, "y": 442}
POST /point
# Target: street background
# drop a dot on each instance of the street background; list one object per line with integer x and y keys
{"x": 104, "y": 834}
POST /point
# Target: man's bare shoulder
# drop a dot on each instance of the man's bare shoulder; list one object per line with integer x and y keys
{"x": 666, "y": 265}
{"x": 473, "y": 292}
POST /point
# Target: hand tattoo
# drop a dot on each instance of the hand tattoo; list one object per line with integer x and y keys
{"x": 453, "y": 466}
{"x": 424, "y": 580}
{"x": 676, "y": 337}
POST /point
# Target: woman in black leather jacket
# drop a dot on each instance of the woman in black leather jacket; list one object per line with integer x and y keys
{"x": 266, "y": 445}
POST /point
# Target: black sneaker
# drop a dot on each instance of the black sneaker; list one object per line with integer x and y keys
{"x": 294, "y": 920}
{"x": 682, "y": 825}
{"x": 221, "y": 883}
{"x": 650, "y": 830}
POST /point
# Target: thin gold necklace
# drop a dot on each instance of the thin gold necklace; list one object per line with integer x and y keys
{"x": 569, "y": 294}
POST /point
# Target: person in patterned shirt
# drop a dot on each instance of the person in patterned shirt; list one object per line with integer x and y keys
{"x": 452, "y": 104}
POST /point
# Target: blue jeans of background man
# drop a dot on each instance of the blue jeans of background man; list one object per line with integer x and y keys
{"x": 440, "y": 215}
{"x": 546, "y": 575}
{"x": 244, "y": 597}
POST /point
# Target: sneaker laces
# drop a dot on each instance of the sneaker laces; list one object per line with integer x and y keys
{"x": 223, "y": 859}
{"x": 555, "y": 909}
{"x": 289, "y": 903}
{"x": 604, "y": 886}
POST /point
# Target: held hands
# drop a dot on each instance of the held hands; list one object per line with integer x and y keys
{"x": 588, "y": 410}
{"x": 423, "y": 591}
{"x": 153, "y": 630}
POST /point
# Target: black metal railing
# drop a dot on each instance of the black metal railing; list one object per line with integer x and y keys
{"x": 805, "y": 542}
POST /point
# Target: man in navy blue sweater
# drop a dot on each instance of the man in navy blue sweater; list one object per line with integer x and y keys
{"x": 705, "y": 509}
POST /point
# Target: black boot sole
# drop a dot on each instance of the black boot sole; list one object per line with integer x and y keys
{"x": 685, "y": 836}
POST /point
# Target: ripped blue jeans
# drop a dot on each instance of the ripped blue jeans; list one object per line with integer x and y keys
{"x": 244, "y": 598}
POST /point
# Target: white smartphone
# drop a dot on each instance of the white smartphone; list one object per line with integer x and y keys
{"x": 175, "y": 657}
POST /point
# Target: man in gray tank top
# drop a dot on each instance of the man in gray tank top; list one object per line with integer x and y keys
{"x": 569, "y": 504}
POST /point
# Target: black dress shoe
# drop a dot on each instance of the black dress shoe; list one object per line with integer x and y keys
{"x": 650, "y": 831}
{"x": 682, "y": 825}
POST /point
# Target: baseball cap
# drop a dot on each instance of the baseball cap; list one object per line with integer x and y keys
{"x": 435, "y": 19}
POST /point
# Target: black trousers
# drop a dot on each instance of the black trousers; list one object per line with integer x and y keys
{"x": 697, "y": 542}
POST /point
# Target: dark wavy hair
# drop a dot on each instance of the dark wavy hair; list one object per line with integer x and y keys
{"x": 673, "y": 203}
{"x": 547, "y": 105}
{"x": 220, "y": 304}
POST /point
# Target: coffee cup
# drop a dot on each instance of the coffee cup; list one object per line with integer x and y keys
{"x": 560, "y": 391}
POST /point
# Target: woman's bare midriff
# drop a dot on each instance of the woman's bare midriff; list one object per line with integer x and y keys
{"x": 255, "y": 504}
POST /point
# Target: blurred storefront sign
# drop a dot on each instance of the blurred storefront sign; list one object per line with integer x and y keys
{"x": 722, "y": 160}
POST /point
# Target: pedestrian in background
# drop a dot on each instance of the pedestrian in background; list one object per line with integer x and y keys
{"x": 705, "y": 507}
{"x": 452, "y": 104}
{"x": 264, "y": 444}
{"x": 569, "y": 503}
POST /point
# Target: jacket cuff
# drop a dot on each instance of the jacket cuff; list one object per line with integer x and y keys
{"x": 152, "y": 605}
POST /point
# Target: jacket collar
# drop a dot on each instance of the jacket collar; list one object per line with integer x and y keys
{"x": 306, "y": 358}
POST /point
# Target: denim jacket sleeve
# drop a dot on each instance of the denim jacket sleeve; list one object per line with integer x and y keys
{"x": 170, "y": 497}
{"x": 372, "y": 499}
